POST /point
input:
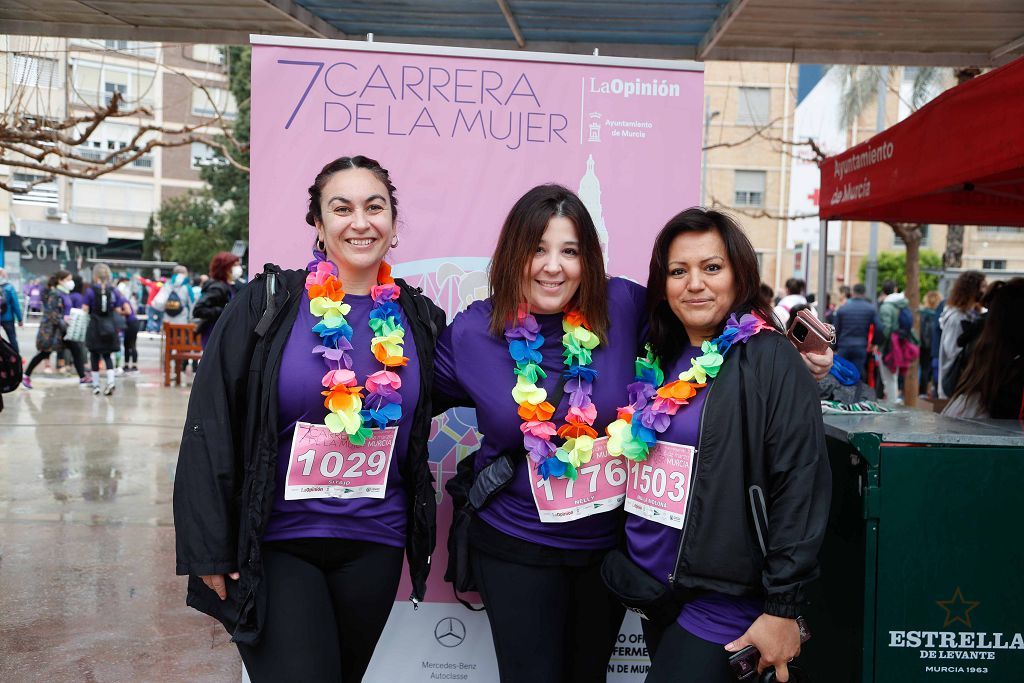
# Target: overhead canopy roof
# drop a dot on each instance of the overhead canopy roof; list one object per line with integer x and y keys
{"x": 912, "y": 32}
{"x": 959, "y": 159}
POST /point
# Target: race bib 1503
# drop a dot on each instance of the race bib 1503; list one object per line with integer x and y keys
{"x": 599, "y": 487}
{"x": 658, "y": 487}
{"x": 326, "y": 465}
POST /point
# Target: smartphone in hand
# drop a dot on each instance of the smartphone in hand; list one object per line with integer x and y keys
{"x": 810, "y": 335}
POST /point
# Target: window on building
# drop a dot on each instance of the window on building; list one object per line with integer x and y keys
{"x": 111, "y": 137}
{"x": 36, "y": 72}
{"x": 210, "y": 101}
{"x": 211, "y": 54}
{"x": 43, "y": 194}
{"x": 95, "y": 84}
{"x": 925, "y": 230}
{"x": 115, "y": 44}
{"x": 993, "y": 264}
{"x": 755, "y": 106}
{"x": 112, "y": 203}
{"x": 749, "y": 186}
{"x": 1004, "y": 229}
{"x": 204, "y": 155}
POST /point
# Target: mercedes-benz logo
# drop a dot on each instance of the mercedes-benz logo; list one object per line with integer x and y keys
{"x": 450, "y": 632}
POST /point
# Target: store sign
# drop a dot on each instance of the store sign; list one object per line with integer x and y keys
{"x": 44, "y": 256}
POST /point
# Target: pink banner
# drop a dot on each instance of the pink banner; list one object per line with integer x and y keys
{"x": 464, "y": 137}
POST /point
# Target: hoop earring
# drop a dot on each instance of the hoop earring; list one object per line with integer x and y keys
{"x": 394, "y": 242}
{"x": 319, "y": 244}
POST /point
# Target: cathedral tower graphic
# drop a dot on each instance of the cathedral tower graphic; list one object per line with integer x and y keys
{"x": 590, "y": 195}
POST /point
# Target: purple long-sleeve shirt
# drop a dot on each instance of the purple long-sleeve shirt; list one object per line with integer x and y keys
{"x": 714, "y": 617}
{"x": 473, "y": 364}
{"x": 299, "y": 400}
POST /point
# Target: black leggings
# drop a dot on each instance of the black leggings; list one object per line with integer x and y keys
{"x": 549, "y": 624}
{"x": 77, "y": 354}
{"x": 94, "y": 361}
{"x": 327, "y": 603}
{"x": 678, "y": 656}
{"x": 131, "y": 334}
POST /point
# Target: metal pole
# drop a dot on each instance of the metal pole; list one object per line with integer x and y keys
{"x": 871, "y": 270}
{"x": 704, "y": 153}
{"x": 822, "y": 268}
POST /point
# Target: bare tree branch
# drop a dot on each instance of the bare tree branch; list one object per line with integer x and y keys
{"x": 758, "y": 213}
{"x": 51, "y": 146}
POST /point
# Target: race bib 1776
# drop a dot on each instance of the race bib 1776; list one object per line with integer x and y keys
{"x": 599, "y": 487}
{"x": 326, "y": 465}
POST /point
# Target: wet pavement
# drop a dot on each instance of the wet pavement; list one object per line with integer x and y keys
{"x": 87, "y": 584}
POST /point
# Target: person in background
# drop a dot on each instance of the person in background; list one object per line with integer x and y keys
{"x": 50, "y": 338}
{"x": 154, "y": 318}
{"x": 10, "y": 310}
{"x": 131, "y": 330}
{"x": 102, "y": 300}
{"x": 853, "y": 321}
{"x": 962, "y": 306}
{"x": 929, "y": 321}
{"x": 218, "y": 290}
{"x": 890, "y": 313}
{"x": 992, "y": 383}
{"x": 175, "y": 298}
{"x": 795, "y": 289}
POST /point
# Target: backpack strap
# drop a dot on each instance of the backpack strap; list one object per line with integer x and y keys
{"x": 270, "y": 309}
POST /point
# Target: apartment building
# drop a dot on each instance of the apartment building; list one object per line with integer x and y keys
{"x": 69, "y": 222}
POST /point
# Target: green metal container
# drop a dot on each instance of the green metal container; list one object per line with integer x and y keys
{"x": 923, "y": 562}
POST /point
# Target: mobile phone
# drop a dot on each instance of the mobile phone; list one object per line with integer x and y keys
{"x": 744, "y": 662}
{"x": 810, "y": 335}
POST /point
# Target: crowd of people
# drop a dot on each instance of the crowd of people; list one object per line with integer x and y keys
{"x": 96, "y": 325}
{"x": 879, "y": 337}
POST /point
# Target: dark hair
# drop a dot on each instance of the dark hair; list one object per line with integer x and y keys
{"x": 967, "y": 290}
{"x": 345, "y": 164}
{"x": 859, "y": 289}
{"x": 221, "y": 264}
{"x": 792, "y": 315}
{"x": 59, "y": 276}
{"x": 767, "y": 294}
{"x": 888, "y": 287}
{"x": 995, "y": 364}
{"x": 844, "y": 290}
{"x": 667, "y": 335}
{"x": 79, "y": 285}
{"x": 521, "y": 233}
{"x": 795, "y": 286}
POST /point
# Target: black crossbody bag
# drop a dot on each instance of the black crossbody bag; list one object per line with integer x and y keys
{"x": 471, "y": 494}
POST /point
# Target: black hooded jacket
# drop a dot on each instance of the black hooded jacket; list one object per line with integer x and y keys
{"x": 225, "y": 479}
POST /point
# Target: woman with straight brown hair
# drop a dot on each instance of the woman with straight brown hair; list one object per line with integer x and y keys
{"x": 545, "y": 361}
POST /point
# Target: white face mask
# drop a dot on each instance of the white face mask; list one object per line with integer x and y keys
{"x": 236, "y": 271}
{"x": 66, "y": 286}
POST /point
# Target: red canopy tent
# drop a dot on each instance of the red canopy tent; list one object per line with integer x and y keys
{"x": 959, "y": 159}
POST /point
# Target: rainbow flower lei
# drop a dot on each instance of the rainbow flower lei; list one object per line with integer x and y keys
{"x": 578, "y": 343}
{"x": 651, "y": 405}
{"x": 348, "y": 412}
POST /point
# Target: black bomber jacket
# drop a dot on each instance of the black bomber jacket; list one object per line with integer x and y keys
{"x": 225, "y": 478}
{"x": 760, "y": 494}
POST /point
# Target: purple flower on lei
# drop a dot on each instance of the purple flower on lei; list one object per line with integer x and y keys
{"x": 527, "y": 328}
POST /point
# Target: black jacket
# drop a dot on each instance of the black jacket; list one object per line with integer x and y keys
{"x": 216, "y": 295}
{"x": 759, "y": 499}
{"x": 224, "y": 484}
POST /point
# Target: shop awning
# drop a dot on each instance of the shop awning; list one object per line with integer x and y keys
{"x": 959, "y": 160}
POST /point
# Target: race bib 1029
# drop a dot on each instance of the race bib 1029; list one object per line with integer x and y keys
{"x": 600, "y": 486}
{"x": 326, "y": 465}
{"x": 658, "y": 487}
